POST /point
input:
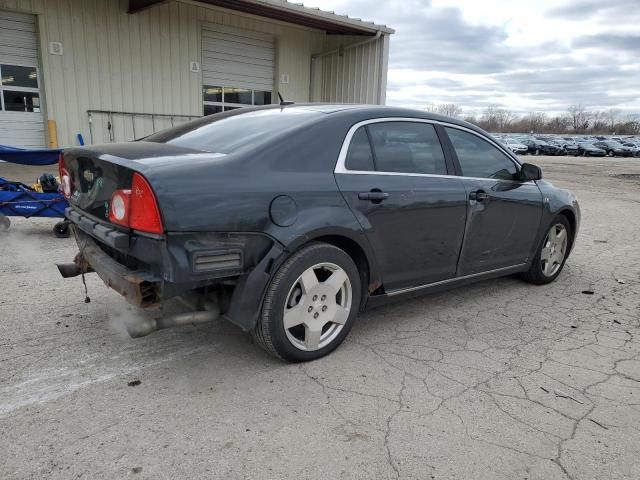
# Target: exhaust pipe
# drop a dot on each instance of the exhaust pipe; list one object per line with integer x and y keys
{"x": 141, "y": 327}
{"x": 68, "y": 270}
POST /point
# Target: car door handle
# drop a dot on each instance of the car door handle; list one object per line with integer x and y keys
{"x": 375, "y": 196}
{"x": 479, "y": 196}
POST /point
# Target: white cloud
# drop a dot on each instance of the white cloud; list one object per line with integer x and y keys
{"x": 526, "y": 55}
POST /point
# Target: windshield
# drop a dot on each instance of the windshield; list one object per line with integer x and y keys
{"x": 228, "y": 133}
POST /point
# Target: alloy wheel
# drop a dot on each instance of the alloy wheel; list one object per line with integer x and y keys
{"x": 554, "y": 250}
{"x": 317, "y": 306}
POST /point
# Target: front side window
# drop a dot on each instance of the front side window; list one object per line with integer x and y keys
{"x": 217, "y": 99}
{"x": 478, "y": 158}
{"x": 407, "y": 147}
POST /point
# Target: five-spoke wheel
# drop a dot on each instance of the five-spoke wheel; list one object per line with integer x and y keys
{"x": 551, "y": 253}
{"x": 554, "y": 250}
{"x": 317, "y": 306}
{"x": 310, "y": 304}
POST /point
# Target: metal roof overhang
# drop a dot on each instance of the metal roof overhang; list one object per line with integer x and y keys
{"x": 286, "y": 12}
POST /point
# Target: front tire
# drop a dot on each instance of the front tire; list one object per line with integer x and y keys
{"x": 551, "y": 254}
{"x": 310, "y": 304}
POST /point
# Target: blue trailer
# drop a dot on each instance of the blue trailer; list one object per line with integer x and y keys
{"x": 20, "y": 200}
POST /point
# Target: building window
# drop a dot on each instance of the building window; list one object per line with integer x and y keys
{"x": 222, "y": 99}
{"x": 19, "y": 88}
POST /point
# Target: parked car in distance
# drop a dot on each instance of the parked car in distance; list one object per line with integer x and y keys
{"x": 568, "y": 147}
{"x": 290, "y": 220}
{"x": 589, "y": 150}
{"x": 635, "y": 148}
{"x": 515, "y": 146}
{"x": 540, "y": 147}
{"x": 613, "y": 148}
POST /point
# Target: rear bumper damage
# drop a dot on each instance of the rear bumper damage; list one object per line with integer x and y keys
{"x": 148, "y": 271}
{"x": 138, "y": 288}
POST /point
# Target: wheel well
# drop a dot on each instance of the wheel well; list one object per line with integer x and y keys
{"x": 571, "y": 218}
{"x": 356, "y": 253}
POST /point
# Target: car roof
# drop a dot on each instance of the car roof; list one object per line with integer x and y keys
{"x": 375, "y": 111}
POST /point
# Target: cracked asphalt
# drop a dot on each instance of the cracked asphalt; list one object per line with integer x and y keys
{"x": 499, "y": 380}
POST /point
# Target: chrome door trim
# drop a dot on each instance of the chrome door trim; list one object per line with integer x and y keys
{"x": 400, "y": 291}
{"x": 341, "y": 168}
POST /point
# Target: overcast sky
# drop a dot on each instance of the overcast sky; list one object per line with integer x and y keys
{"x": 525, "y": 55}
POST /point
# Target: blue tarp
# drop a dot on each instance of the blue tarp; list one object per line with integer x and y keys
{"x": 29, "y": 157}
{"x": 19, "y": 200}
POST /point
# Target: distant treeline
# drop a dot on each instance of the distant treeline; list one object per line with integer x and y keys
{"x": 576, "y": 120}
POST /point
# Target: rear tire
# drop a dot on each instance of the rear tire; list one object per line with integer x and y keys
{"x": 551, "y": 254}
{"x": 310, "y": 304}
{"x": 5, "y": 223}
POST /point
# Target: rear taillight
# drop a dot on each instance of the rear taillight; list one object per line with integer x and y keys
{"x": 65, "y": 178}
{"x": 120, "y": 207}
{"x": 136, "y": 208}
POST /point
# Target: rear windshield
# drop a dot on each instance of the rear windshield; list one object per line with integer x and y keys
{"x": 224, "y": 133}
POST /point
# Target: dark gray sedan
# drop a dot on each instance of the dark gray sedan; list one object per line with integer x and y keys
{"x": 289, "y": 220}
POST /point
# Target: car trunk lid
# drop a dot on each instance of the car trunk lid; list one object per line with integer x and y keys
{"x": 97, "y": 172}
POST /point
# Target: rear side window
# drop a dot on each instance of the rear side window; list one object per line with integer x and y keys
{"x": 478, "y": 158}
{"x": 360, "y": 156}
{"x": 407, "y": 147}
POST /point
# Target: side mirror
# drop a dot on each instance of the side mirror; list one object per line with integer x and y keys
{"x": 530, "y": 172}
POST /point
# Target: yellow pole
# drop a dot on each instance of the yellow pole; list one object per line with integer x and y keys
{"x": 53, "y": 134}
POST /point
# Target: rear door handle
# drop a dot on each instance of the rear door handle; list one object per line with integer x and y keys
{"x": 479, "y": 196}
{"x": 375, "y": 196}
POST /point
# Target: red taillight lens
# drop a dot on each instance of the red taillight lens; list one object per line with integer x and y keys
{"x": 65, "y": 178}
{"x": 144, "y": 214}
{"x": 120, "y": 207}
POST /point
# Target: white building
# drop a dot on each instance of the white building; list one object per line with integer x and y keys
{"x": 115, "y": 70}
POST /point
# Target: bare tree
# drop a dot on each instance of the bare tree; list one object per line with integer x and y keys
{"x": 489, "y": 120}
{"x": 449, "y": 109}
{"x": 504, "y": 119}
{"x": 580, "y": 118}
{"x": 599, "y": 122}
{"x": 558, "y": 124}
{"x": 471, "y": 118}
{"x": 611, "y": 117}
{"x": 535, "y": 121}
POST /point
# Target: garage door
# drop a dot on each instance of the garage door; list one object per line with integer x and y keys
{"x": 237, "y": 68}
{"x": 21, "y": 122}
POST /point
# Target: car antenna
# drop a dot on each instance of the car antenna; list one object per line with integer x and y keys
{"x": 282, "y": 102}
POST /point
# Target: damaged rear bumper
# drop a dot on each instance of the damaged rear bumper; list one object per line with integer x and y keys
{"x": 148, "y": 270}
{"x": 137, "y": 287}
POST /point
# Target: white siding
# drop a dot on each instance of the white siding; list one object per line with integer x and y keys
{"x": 140, "y": 63}
{"x": 353, "y": 75}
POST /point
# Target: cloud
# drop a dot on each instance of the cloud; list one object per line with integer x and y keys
{"x": 605, "y": 9}
{"x": 609, "y": 41}
{"x": 552, "y": 56}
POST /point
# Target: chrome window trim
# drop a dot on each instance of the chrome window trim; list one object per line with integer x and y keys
{"x": 342, "y": 157}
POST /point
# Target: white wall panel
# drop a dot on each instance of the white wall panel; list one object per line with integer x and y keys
{"x": 140, "y": 63}
{"x": 353, "y": 75}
